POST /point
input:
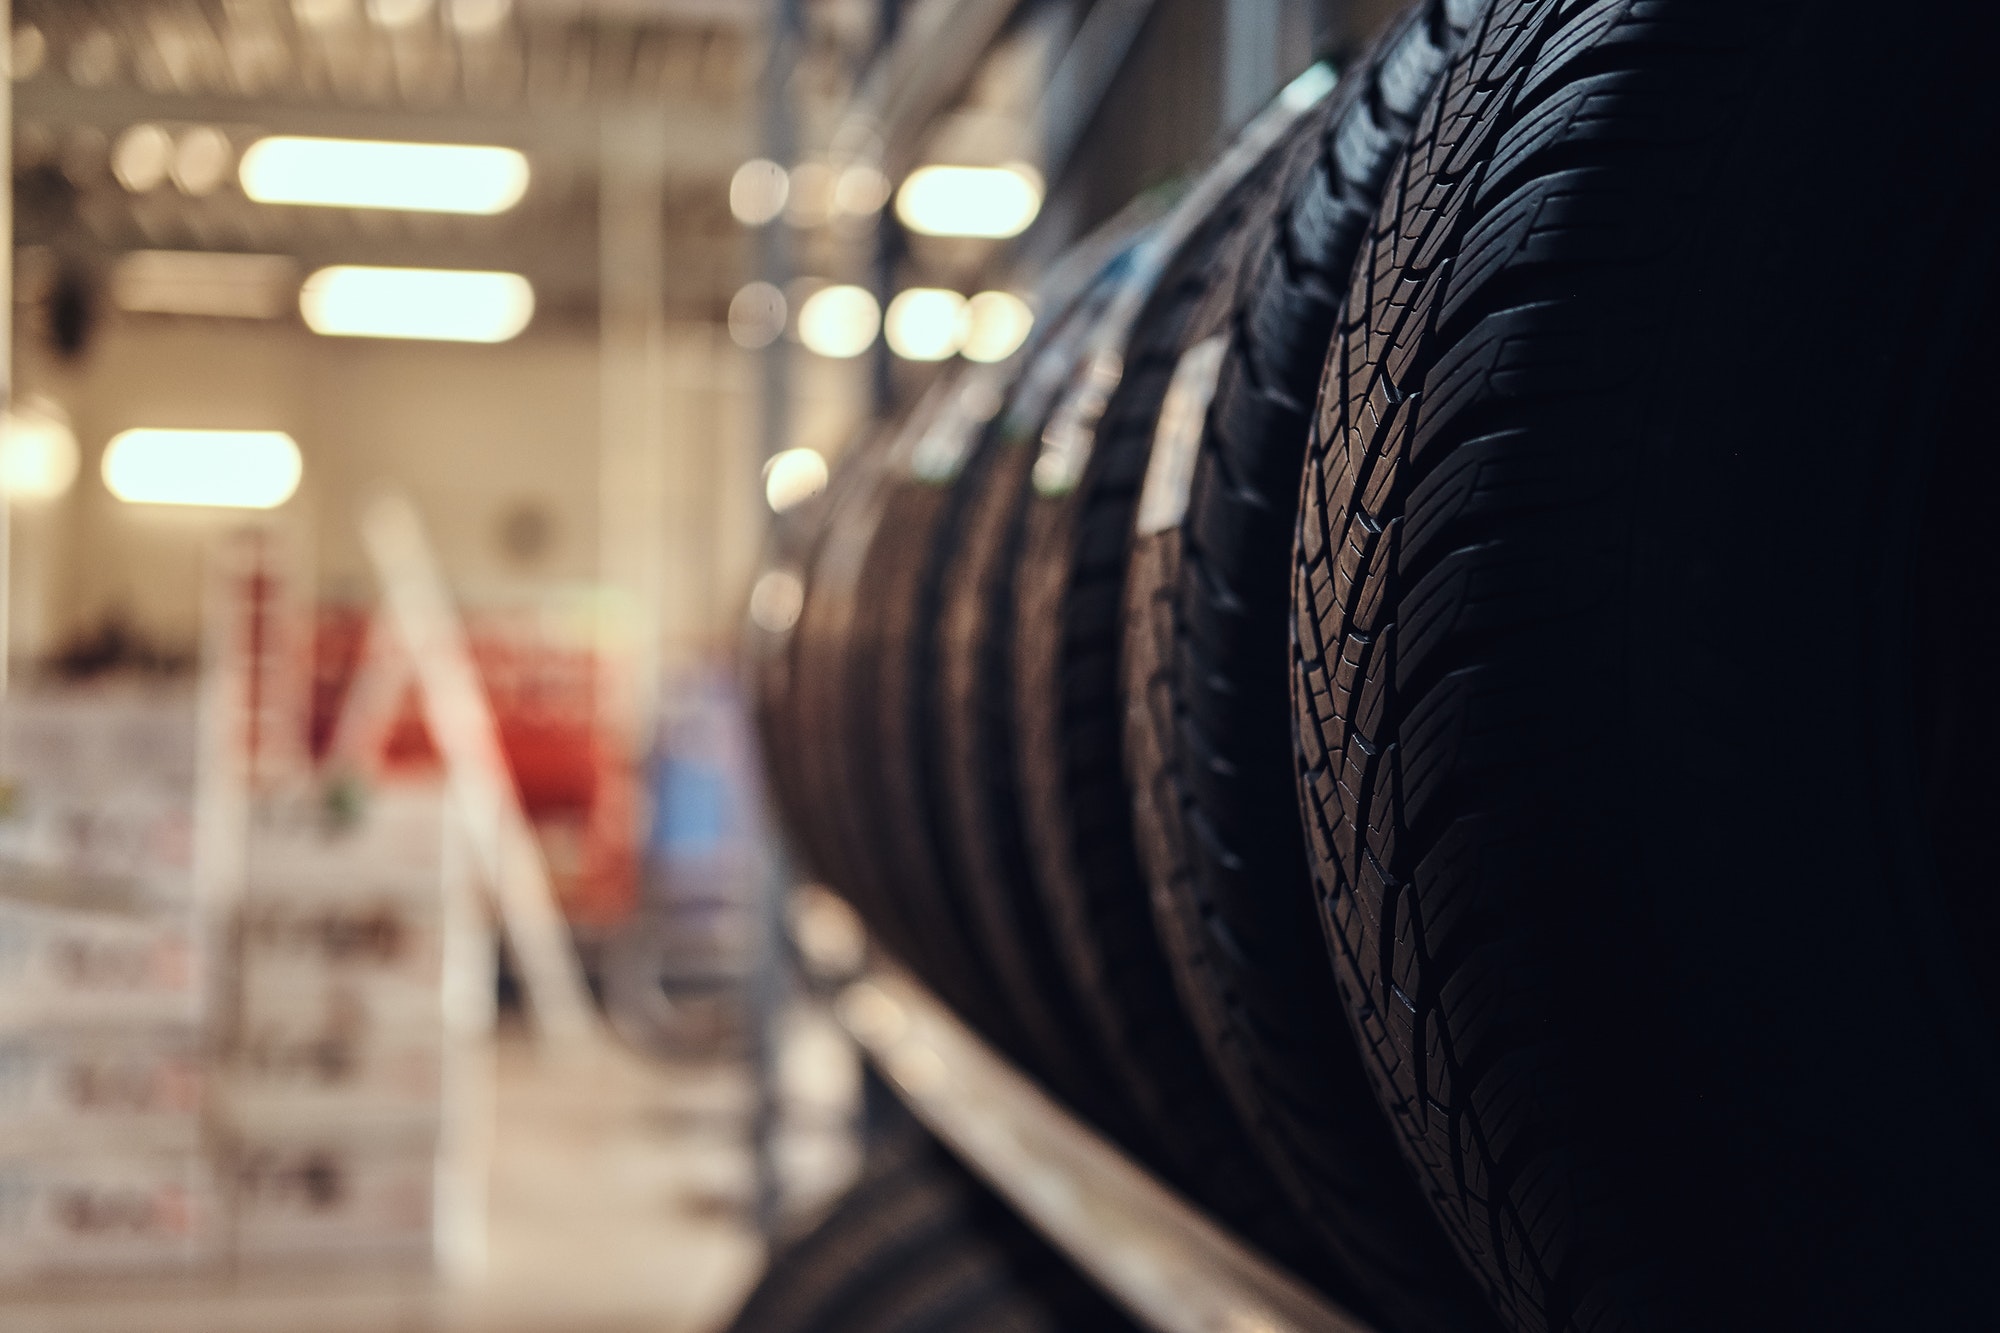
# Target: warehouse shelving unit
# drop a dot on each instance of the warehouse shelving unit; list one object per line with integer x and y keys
{"x": 1170, "y": 1265}
{"x": 1159, "y": 1256}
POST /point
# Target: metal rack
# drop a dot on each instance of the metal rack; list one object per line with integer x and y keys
{"x": 1172, "y": 1267}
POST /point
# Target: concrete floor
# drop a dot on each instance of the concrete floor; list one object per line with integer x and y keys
{"x": 621, "y": 1196}
{"x": 619, "y": 1203}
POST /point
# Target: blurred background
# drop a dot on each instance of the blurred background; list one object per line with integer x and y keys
{"x": 402, "y": 392}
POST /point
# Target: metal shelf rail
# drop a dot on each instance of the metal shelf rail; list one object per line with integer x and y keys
{"x": 1168, "y": 1264}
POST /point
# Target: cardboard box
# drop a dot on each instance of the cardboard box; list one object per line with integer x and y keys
{"x": 100, "y": 784}
{"x": 336, "y": 1198}
{"x": 314, "y": 942}
{"x": 134, "y": 836}
{"x": 341, "y": 1070}
{"x": 361, "y": 1026}
{"x": 102, "y": 1214}
{"x": 86, "y": 740}
{"x": 391, "y": 843}
{"x": 121, "y": 1092}
{"x": 72, "y": 959}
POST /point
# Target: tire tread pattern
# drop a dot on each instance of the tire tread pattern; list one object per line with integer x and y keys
{"x": 1427, "y": 647}
{"x": 1075, "y": 797}
{"x": 1208, "y": 721}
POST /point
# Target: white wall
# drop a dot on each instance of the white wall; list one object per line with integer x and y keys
{"x": 468, "y": 431}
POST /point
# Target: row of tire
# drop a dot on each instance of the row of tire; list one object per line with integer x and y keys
{"x": 920, "y": 1245}
{"x": 1442, "y": 699}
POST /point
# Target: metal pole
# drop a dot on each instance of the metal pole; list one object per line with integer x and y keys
{"x": 769, "y": 977}
{"x": 774, "y": 249}
{"x": 6, "y": 334}
{"x": 1250, "y": 57}
{"x": 632, "y": 467}
{"x": 889, "y": 246}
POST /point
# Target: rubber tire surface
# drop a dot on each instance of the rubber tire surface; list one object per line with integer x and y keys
{"x": 1208, "y": 719}
{"x": 919, "y": 1246}
{"x": 774, "y": 663}
{"x": 796, "y": 733}
{"x": 888, "y": 735}
{"x": 770, "y": 661}
{"x": 1076, "y": 803}
{"x": 1665, "y": 378}
{"x": 973, "y": 648}
{"x": 897, "y": 656}
{"x": 851, "y": 857}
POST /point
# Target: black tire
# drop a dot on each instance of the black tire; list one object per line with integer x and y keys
{"x": 777, "y": 655}
{"x": 768, "y": 654}
{"x": 888, "y": 722}
{"x": 837, "y": 824}
{"x": 933, "y": 482}
{"x": 1635, "y": 583}
{"x": 1208, "y": 720}
{"x": 1067, "y": 707}
{"x": 919, "y": 1246}
{"x": 973, "y": 650}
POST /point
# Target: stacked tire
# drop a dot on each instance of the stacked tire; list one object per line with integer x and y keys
{"x": 918, "y": 1245}
{"x": 1444, "y": 699}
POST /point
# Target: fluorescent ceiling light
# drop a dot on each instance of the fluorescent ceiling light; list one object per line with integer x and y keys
{"x": 363, "y": 173}
{"x": 839, "y": 321}
{"x": 478, "y": 17}
{"x": 30, "y": 48}
{"x": 776, "y": 600}
{"x": 756, "y": 315}
{"x": 230, "y": 469}
{"x": 757, "y": 191}
{"x": 997, "y": 324}
{"x": 793, "y": 477}
{"x": 861, "y": 190}
{"x": 202, "y": 160}
{"x": 444, "y": 305}
{"x": 38, "y": 453}
{"x": 322, "y": 13}
{"x": 194, "y": 282}
{"x": 925, "y": 323}
{"x": 141, "y": 157}
{"x": 398, "y": 13}
{"x": 990, "y": 202}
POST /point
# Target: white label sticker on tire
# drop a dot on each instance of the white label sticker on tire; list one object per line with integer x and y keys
{"x": 1177, "y": 439}
{"x": 941, "y": 452}
{"x": 1072, "y": 431}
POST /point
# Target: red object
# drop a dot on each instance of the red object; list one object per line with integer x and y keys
{"x": 574, "y": 782}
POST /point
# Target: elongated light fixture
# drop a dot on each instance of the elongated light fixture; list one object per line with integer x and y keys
{"x": 839, "y": 321}
{"x": 990, "y": 202}
{"x": 443, "y": 305}
{"x": 925, "y": 323}
{"x": 793, "y": 477}
{"x": 230, "y": 469}
{"x": 38, "y": 453}
{"x": 366, "y": 173}
{"x": 997, "y": 324}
